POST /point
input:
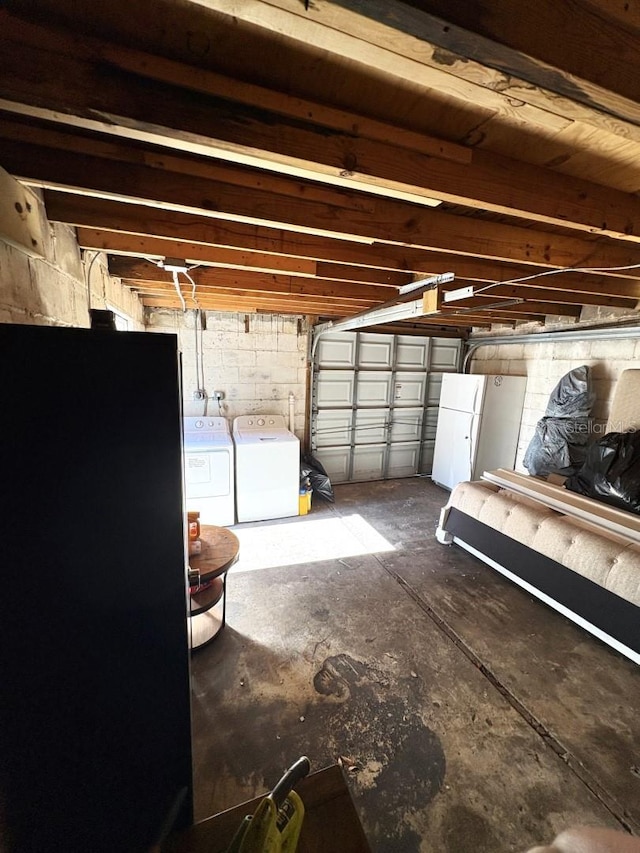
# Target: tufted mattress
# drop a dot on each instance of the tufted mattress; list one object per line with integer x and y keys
{"x": 605, "y": 558}
{"x": 587, "y": 570}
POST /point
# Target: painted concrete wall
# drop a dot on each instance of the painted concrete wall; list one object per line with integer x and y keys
{"x": 256, "y": 367}
{"x": 545, "y": 363}
{"x": 52, "y": 290}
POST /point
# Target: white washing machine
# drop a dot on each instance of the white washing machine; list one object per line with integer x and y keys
{"x": 209, "y": 470}
{"x": 267, "y": 468}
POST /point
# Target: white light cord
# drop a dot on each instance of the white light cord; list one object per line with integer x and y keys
{"x": 555, "y": 272}
{"x": 178, "y": 291}
{"x": 193, "y": 287}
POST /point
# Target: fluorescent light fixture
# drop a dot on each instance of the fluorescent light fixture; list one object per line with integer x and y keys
{"x": 432, "y": 281}
{"x": 460, "y": 293}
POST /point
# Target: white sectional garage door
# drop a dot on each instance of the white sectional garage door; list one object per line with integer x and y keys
{"x": 375, "y": 403}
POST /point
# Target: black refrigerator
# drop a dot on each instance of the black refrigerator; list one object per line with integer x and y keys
{"x": 95, "y": 734}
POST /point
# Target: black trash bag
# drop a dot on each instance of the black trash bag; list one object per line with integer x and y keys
{"x": 572, "y": 397}
{"x": 559, "y": 446}
{"x": 611, "y": 471}
{"x": 312, "y": 469}
{"x": 559, "y": 443}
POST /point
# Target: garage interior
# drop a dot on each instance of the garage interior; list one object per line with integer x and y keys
{"x": 241, "y": 174}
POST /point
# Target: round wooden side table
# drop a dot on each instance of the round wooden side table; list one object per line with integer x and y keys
{"x": 207, "y": 606}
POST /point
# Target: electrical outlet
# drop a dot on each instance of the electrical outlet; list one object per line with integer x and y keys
{"x": 218, "y": 395}
{"x": 199, "y": 394}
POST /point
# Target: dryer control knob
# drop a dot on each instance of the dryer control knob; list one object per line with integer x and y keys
{"x": 199, "y": 424}
{"x": 260, "y": 421}
{"x": 250, "y": 422}
{"x": 271, "y": 421}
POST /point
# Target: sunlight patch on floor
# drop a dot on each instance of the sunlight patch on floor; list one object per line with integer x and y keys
{"x": 307, "y": 541}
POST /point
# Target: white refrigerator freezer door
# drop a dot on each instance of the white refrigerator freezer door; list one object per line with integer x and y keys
{"x": 462, "y": 392}
{"x": 456, "y": 438}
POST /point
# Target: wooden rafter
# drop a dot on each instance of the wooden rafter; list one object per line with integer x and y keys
{"x": 295, "y": 196}
{"x": 105, "y": 215}
{"x": 113, "y": 170}
{"x": 87, "y": 95}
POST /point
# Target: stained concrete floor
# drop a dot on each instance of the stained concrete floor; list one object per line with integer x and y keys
{"x": 473, "y": 717}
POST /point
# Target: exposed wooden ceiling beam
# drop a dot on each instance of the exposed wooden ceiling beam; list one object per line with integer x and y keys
{"x": 118, "y": 243}
{"x": 526, "y": 307}
{"x": 86, "y": 95}
{"x": 426, "y": 61}
{"x": 551, "y": 290}
{"x": 550, "y": 295}
{"x": 137, "y": 222}
{"x": 288, "y": 204}
{"x": 207, "y": 82}
{"x": 132, "y": 270}
{"x": 345, "y": 304}
{"x": 434, "y": 54}
{"x": 251, "y": 303}
{"x": 140, "y": 221}
{"x": 594, "y": 41}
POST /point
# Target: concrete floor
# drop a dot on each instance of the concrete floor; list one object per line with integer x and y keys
{"x": 471, "y": 716}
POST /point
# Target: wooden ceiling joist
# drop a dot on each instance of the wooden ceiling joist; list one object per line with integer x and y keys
{"x": 298, "y": 192}
{"x": 287, "y": 204}
{"x": 243, "y": 302}
{"x": 99, "y": 214}
{"x": 600, "y": 48}
{"x": 132, "y": 270}
{"x": 117, "y": 243}
{"x": 86, "y": 95}
{"x": 550, "y": 289}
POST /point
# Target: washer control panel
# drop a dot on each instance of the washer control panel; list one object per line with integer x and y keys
{"x": 204, "y": 428}
{"x": 248, "y": 422}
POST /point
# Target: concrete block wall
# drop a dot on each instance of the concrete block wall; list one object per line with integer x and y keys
{"x": 545, "y": 363}
{"x": 51, "y": 290}
{"x": 256, "y": 360}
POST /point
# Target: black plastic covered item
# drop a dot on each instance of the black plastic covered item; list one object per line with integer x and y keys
{"x": 561, "y": 436}
{"x": 320, "y": 483}
{"x": 611, "y": 471}
{"x": 559, "y": 446}
{"x": 572, "y": 397}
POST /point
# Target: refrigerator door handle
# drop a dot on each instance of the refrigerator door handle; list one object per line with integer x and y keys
{"x": 475, "y": 397}
{"x": 473, "y": 435}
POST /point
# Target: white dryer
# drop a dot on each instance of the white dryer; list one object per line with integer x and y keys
{"x": 209, "y": 470}
{"x": 267, "y": 468}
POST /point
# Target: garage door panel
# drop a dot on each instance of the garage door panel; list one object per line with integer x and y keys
{"x": 403, "y": 459}
{"x": 371, "y": 426}
{"x": 406, "y": 425}
{"x": 337, "y": 350}
{"x": 335, "y": 461}
{"x": 373, "y": 388}
{"x": 368, "y": 462}
{"x": 333, "y": 428}
{"x": 412, "y": 353}
{"x": 376, "y": 401}
{"x": 375, "y": 351}
{"x": 335, "y": 389}
{"x": 409, "y": 389}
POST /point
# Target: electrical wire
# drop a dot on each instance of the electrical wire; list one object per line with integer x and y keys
{"x": 195, "y": 331}
{"x": 176, "y": 284}
{"x": 555, "y": 272}
{"x": 202, "y": 323}
{"x": 193, "y": 287}
{"x": 91, "y": 263}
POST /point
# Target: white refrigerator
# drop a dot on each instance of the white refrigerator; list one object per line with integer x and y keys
{"x": 478, "y": 426}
